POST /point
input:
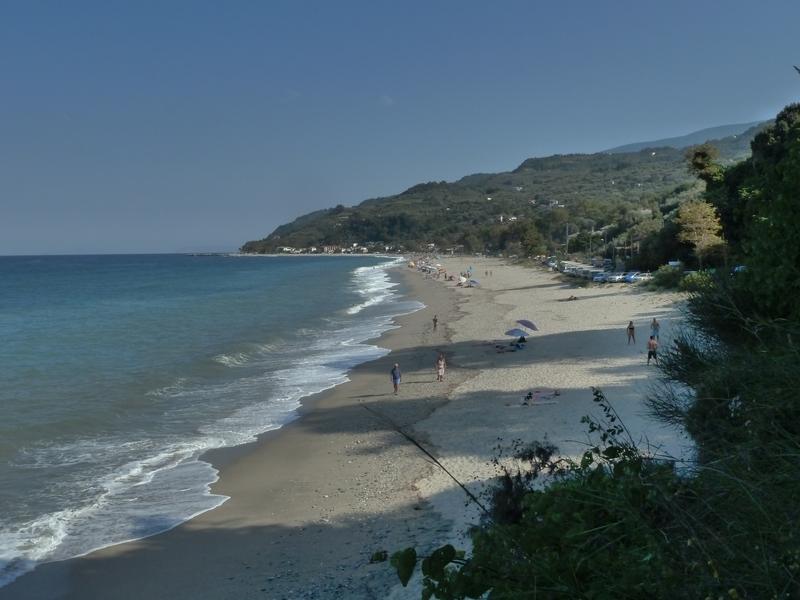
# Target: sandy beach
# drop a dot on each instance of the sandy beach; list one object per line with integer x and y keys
{"x": 311, "y": 502}
{"x": 580, "y": 344}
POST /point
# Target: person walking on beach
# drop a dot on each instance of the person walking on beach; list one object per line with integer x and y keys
{"x": 435, "y": 322}
{"x": 396, "y": 375}
{"x": 652, "y": 348}
{"x": 631, "y": 333}
{"x": 655, "y": 326}
{"x": 440, "y": 366}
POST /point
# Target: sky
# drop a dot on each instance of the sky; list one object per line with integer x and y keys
{"x": 151, "y": 126}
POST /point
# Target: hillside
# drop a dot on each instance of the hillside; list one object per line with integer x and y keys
{"x": 694, "y": 138}
{"x": 560, "y": 195}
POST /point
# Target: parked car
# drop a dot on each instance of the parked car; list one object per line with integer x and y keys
{"x": 630, "y": 276}
{"x": 600, "y": 278}
{"x": 646, "y": 276}
{"x": 615, "y": 277}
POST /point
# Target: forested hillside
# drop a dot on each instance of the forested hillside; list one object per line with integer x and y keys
{"x": 605, "y": 199}
{"x": 625, "y": 521}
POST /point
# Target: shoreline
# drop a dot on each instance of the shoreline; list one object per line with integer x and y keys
{"x": 116, "y": 570}
{"x": 192, "y": 497}
{"x": 219, "y": 458}
{"x": 310, "y": 502}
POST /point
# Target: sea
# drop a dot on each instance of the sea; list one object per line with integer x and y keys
{"x": 118, "y": 372}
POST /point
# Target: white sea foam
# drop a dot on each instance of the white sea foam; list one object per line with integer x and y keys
{"x": 232, "y": 360}
{"x": 168, "y": 390}
{"x": 131, "y": 504}
{"x": 374, "y": 285}
{"x": 137, "y": 488}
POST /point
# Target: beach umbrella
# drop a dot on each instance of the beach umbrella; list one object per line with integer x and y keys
{"x": 474, "y": 282}
{"x": 528, "y": 324}
{"x": 517, "y": 333}
{"x": 462, "y": 280}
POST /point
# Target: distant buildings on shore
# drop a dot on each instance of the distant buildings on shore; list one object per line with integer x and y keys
{"x": 369, "y": 248}
{"x": 356, "y": 248}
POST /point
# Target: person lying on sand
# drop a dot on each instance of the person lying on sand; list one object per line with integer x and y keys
{"x": 570, "y": 299}
{"x": 537, "y": 396}
{"x": 513, "y": 348}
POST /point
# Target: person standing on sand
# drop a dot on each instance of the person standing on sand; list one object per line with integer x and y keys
{"x": 631, "y": 333}
{"x": 652, "y": 348}
{"x": 655, "y": 326}
{"x": 435, "y": 322}
{"x": 396, "y": 375}
{"x": 440, "y": 366}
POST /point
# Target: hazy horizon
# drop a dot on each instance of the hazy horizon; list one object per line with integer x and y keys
{"x": 192, "y": 250}
{"x": 194, "y": 127}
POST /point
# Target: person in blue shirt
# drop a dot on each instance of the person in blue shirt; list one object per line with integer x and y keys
{"x": 396, "y": 375}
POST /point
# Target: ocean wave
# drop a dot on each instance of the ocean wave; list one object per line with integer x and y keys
{"x": 232, "y": 360}
{"x": 377, "y": 299}
{"x": 51, "y": 455}
{"x": 269, "y": 348}
{"x": 22, "y": 549}
{"x": 374, "y": 284}
{"x": 168, "y": 390}
{"x": 114, "y": 515}
{"x": 140, "y": 488}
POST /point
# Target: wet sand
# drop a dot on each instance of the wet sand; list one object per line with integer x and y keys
{"x": 311, "y": 502}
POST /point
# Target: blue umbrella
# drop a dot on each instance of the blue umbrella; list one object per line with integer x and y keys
{"x": 517, "y": 333}
{"x": 528, "y": 324}
{"x": 474, "y": 282}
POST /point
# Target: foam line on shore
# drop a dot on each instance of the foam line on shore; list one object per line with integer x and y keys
{"x": 180, "y": 468}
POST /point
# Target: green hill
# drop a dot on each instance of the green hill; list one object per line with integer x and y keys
{"x": 696, "y": 137}
{"x": 557, "y": 195}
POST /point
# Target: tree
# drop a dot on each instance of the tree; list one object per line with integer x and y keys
{"x": 758, "y": 201}
{"x": 772, "y": 244}
{"x": 533, "y": 242}
{"x": 703, "y": 162}
{"x": 699, "y": 226}
{"x": 472, "y": 243}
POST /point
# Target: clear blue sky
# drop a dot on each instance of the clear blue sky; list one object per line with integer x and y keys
{"x": 188, "y": 125}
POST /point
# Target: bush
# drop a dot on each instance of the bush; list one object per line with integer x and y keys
{"x": 668, "y": 277}
{"x": 597, "y": 530}
{"x": 697, "y": 281}
{"x": 618, "y": 523}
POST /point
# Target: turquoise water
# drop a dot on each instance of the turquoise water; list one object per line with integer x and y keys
{"x": 117, "y": 372}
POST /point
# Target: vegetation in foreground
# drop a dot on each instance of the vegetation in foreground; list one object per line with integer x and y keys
{"x": 624, "y": 524}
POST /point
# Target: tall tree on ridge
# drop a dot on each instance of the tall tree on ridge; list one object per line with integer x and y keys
{"x": 699, "y": 226}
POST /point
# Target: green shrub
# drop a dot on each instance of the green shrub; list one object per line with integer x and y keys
{"x": 599, "y": 529}
{"x": 618, "y": 523}
{"x": 696, "y": 281}
{"x": 668, "y": 277}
